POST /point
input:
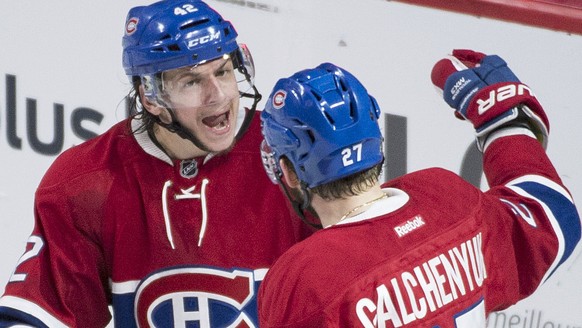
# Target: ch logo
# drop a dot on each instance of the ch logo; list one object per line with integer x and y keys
{"x": 521, "y": 211}
{"x": 201, "y": 297}
{"x": 279, "y": 99}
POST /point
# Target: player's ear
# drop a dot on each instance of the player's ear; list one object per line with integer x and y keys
{"x": 289, "y": 175}
{"x": 153, "y": 107}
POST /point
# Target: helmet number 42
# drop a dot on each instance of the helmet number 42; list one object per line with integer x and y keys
{"x": 185, "y": 10}
{"x": 352, "y": 154}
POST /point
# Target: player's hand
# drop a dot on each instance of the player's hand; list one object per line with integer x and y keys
{"x": 484, "y": 91}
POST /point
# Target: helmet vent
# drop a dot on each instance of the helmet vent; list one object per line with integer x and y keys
{"x": 174, "y": 47}
{"x": 316, "y": 94}
{"x": 193, "y": 24}
{"x": 329, "y": 118}
{"x": 311, "y": 136}
{"x": 353, "y": 109}
{"x": 342, "y": 85}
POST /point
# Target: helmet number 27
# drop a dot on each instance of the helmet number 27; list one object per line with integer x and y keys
{"x": 352, "y": 153}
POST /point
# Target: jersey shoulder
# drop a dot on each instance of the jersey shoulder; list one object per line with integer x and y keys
{"x": 107, "y": 151}
{"x": 441, "y": 184}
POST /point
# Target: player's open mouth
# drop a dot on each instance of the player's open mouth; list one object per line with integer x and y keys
{"x": 217, "y": 122}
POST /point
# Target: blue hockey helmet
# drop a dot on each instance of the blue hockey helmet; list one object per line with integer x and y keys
{"x": 174, "y": 33}
{"x": 171, "y": 34}
{"x": 325, "y": 122}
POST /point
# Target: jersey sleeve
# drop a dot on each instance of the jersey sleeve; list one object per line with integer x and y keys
{"x": 60, "y": 279}
{"x": 537, "y": 226}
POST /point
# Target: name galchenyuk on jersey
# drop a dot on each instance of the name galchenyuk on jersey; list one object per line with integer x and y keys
{"x": 440, "y": 280}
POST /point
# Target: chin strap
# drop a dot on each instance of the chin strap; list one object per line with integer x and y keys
{"x": 303, "y": 206}
{"x": 177, "y": 128}
{"x": 250, "y": 112}
{"x": 255, "y": 95}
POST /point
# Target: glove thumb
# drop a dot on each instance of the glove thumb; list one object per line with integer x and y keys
{"x": 469, "y": 57}
{"x": 461, "y": 59}
{"x": 443, "y": 70}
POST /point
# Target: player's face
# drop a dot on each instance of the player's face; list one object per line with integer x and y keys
{"x": 205, "y": 100}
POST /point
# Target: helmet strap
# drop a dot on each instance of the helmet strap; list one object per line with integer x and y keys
{"x": 302, "y": 206}
{"x": 255, "y": 95}
{"x": 175, "y": 126}
{"x": 250, "y": 112}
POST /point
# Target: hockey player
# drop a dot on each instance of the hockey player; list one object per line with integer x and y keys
{"x": 167, "y": 217}
{"x": 426, "y": 249}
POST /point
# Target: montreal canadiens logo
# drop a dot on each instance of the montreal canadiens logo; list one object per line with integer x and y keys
{"x": 279, "y": 99}
{"x": 131, "y": 26}
{"x": 197, "y": 297}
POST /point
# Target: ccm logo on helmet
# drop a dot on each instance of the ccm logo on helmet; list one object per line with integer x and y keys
{"x": 204, "y": 39}
{"x": 500, "y": 94}
{"x": 279, "y": 99}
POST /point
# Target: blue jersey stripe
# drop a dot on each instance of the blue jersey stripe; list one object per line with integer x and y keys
{"x": 562, "y": 209}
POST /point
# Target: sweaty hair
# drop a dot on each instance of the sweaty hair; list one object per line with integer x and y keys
{"x": 352, "y": 185}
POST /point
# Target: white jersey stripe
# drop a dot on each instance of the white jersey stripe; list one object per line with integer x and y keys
{"x": 32, "y": 309}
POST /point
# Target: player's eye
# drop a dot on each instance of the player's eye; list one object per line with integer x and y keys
{"x": 190, "y": 82}
{"x": 223, "y": 72}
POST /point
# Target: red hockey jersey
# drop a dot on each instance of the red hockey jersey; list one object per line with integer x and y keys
{"x": 438, "y": 253}
{"x": 166, "y": 243}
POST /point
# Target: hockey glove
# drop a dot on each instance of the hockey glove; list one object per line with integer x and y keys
{"x": 484, "y": 91}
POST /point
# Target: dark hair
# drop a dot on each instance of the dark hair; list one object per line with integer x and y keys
{"x": 137, "y": 110}
{"x": 352, "y": 185}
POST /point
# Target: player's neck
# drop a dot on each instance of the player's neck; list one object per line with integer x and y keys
{"x": 175, "y": 146}
{"x": 332, "y": 212}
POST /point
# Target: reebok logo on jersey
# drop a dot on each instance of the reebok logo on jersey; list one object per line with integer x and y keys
{"x": 409, "y": 226}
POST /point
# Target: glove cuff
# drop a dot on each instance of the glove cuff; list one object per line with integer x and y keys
{"x": 494, "y": 100}
{"x": 520, "y": 120}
